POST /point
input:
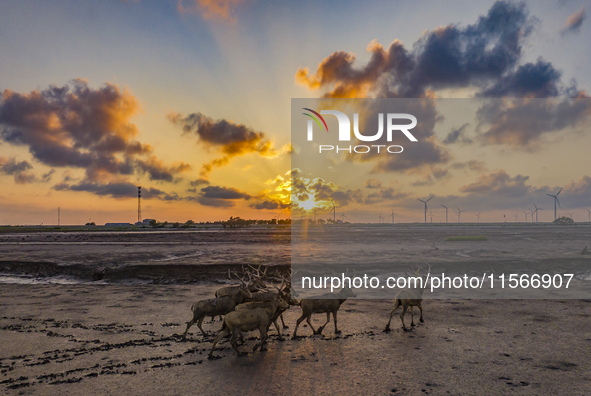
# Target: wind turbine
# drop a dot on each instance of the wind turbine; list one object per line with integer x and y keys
{"x": 516, "y": 217}
{"x": 334, "y": 212}
{"x": 381, "y": 217}
{"x": 478, "y": 216}
{"x": 315, "y": 215}
{"x": 589, "y": 211}
{"x": 392, "y": 215}
{"x": 459, "y": 213}
{"x": 555, "y": 201}
{"x": 425, "y": 202}
{"x": 445, "y": 212}
{"x": 570, "y": 215}
{"x": 532, "y": 214}
{"x": 431, "y": 216}
{"x": 525, "y": 216}
{"x": 343, "y": 217}
{"x": 537, "y": 212}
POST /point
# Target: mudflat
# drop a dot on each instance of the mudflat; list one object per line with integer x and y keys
{"x": 113, "y": 325}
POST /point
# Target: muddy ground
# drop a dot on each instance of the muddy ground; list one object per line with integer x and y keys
{"x": 116, "y": 329}
{"x": 81, "y": 339}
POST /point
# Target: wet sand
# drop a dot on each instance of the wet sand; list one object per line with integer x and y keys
{"x": 59, "y": 339}
{"x": 117, "y": 330}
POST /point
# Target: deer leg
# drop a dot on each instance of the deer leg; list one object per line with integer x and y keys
{"x": 278, "y": 330}
{"x": 334, "y": 317}
{"x": 300, "y": 319}
{"x": 421, "y": 309}
{"x": 234, "y": 343}
{"x": 263, "y": 336}
{"x": 327, "y": 320}
{"x": 412, "y": 316}
{"x": 396, "y": 305}
{"x": 310, "y": 323}
{"x": 201, "y": 328}
{"x": 222, "y": 334}
{"x": 283, "y": 323}
{"x": 404, "y": 309}
{"x": 212, "y": 319}
{"x": 189, "y": 324}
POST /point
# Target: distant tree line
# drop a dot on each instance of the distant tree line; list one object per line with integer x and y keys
{"x": 232, "y": 222}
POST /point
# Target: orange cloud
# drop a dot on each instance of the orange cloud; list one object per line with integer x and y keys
{"x": 211, "y": 9}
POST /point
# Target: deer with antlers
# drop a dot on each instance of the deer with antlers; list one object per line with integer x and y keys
{"x": 326, "y": 303}
{"x": 411, "y": 297}
{"x": 248, "y": 317}
{"x": 216, "y": 306}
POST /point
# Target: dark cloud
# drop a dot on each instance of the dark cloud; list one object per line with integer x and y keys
{"x": 421, "y": 156}
{"x": 574, "y": 22}
{"x": 448, "y": 57}
{"x": 19, "y": 169}
{"x": 522, "y": 123}
{"x": 47, "y": 176}
{"x": 225, "y": 136}
{"x": 199, "y": 182}
{"x": 230, "y": 138}
{"x": 498, "y": 183}
{"x": 270, "y": 205}
{"x": 76, "y": 126}
{"x": 373, "y": 183}
{"x": 157, "y": 170}
{"x": 218, "y": 196}
{"x": 534, "y": 80}
{"x": 119, "y": 189}
{"x": 457, "y": 135}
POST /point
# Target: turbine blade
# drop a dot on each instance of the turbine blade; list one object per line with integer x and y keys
{"x": 558, "y": 192}
{"x": 558, "y": 202}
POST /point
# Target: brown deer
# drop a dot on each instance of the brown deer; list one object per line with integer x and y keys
{"x": 329, "y": 303}
{"x": 215, "y": 306}
{"x": 258, "y": 315}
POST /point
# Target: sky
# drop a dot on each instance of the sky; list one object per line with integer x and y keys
{"x": 192, "y": 100}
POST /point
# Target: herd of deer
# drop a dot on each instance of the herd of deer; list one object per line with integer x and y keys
{"x": 255, "y": 304}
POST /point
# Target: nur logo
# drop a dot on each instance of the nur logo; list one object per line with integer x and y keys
{"x": 392, "y": 125}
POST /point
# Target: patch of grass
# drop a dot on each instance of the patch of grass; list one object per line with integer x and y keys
{"x": 467, "y": 238}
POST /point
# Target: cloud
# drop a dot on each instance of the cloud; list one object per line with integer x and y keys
{"x": 270, "y": 205}
{"x": 484, "y": 55}
{"x": 373, "y": 183}
{"x": 574, "y": 22}
{"x": 116, "y": 189}
{"x": 521, "y": 124}
{"x": 47, "y": 176}
{"x": 218, "y": 196}
{"x": 199, "y": 182}
{"x": 322, "y": 191}
{"x": 76, "y": 126}
{"x": 533, "y": 80}
{"x": 419, "y": 157}
{"x": 431, "y": 178}
{"x": 449, "y": 56}
{"x": 157, "y": 170}
{"x": 224, "y": 136}
{"x": 210, "y": 9}
{"x": 457, "y": 135}
{"x": 499, "y": 183}
{"x": 474, "y": 165}
{"x": 21, "y": 170}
